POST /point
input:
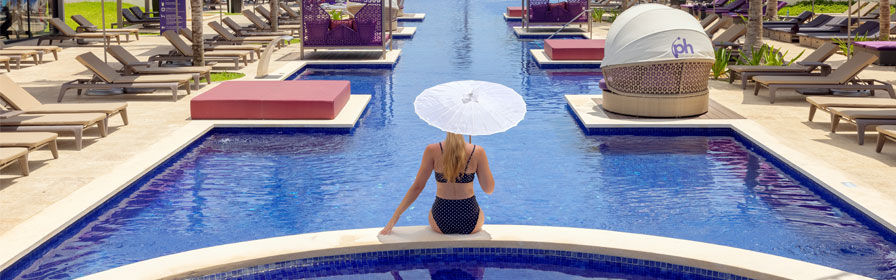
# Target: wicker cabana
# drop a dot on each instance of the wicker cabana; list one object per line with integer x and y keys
{"x": 366, "y": 30}
{"x": 657, "y": 68}
{"x": 543, "y": 12}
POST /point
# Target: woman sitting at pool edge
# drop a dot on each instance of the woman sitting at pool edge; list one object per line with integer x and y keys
{"x": 455, "y": 210}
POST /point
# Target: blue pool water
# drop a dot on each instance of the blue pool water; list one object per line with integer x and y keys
{"x": 243, "y": 184}
{"x": 471, "y": 264}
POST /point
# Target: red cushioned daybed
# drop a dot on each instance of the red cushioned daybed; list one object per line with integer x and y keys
{"x": 272, "y": 100}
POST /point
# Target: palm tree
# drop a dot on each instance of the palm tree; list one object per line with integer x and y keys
{"x": 198, "y": 51}
{"x": 275, "y": 14}
{"x": 753, "y": 38}
{"x": 771, "y": 9}
{"x": 885, "y": 20}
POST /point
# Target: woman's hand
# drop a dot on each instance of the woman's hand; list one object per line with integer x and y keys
{"x": 388, "y": 229}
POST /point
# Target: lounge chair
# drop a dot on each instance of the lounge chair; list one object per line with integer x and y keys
{"x": 105, "y": 78}
{"x": 31, "y": 141}
{"x": 868, "y": 29}
{"x": 821, "y": 23}
{"x": 21, "y": 100}
{"x": 805, "y": 67}
{"x": 264, "y": 12}
{"x": 144, "y": 16}
{"x": 884, "y": 133}
{"x": 842, "y": 78}
{"x": 862, "y": 118}
{"x": 708, "y": 20}
{"x": 226, "y": 36}
{"x": 75, "y": 124}
{"x": 186, "y": 50}
{"x": 132, "y": 65}
{"x": 253, "y": 50}
{"x": 44, "y": 49}
{"x": 8, "y": 156}
{"x": 290, "y": 13}
{"x": 5, "y": 60}
{"x": 730, "y": 36}
{"x": 19, "y": 55}
{"x": 824, "y": 102}
{"x": 85, "y": 25}
{"x": 260, "y": 25}
{"x": 67, "y": 33}
{"x": 245, "y": 31}
{"x": 131, "y": 19}
{"x": 799, "y": 19}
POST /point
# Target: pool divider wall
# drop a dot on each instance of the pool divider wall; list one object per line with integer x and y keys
{"x": 250, "y": 254}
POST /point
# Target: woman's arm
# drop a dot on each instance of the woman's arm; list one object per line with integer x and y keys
{"x": 426, "y": 166}
{"x": 486, "y": 180}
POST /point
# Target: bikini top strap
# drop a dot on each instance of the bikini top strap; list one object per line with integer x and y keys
{"x": 469, "y": 158}
{"x": 440, "y": 147}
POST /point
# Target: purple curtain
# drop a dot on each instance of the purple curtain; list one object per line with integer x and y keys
{"x": 367, "y": 31}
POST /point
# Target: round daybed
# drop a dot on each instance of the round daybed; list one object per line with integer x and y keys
{"x": 657, "y": 63}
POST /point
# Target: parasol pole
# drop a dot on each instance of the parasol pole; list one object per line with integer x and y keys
{"x": 105, "y": 39}
{"x": 849, "y": 30}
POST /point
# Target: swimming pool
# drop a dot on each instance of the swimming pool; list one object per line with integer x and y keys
{"x": 243, "y": 184}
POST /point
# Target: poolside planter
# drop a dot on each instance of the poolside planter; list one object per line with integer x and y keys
{"x": 657, "y": 68}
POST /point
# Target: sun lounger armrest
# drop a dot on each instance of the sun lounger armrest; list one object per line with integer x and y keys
{"x": 10, "y": 114}
{"x": 825, "y": 68}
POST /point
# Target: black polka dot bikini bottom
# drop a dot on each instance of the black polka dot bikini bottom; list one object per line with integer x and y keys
{"x": 456, "y": 216}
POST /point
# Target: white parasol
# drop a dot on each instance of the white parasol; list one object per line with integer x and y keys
{"x": 471, "y": 107}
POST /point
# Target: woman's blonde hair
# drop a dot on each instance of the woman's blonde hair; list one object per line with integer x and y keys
{"x": 453, "y": 156}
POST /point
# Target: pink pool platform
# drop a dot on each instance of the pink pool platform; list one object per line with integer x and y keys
{"x": 272, "y": 100}
{"x": 574, "y": 49}
{"x": 515, "y": 12}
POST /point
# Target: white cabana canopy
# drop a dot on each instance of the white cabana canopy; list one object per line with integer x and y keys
{"x": 653, "y": 32}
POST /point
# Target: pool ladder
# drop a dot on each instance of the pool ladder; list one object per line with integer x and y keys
{"x": 586, "y": 11}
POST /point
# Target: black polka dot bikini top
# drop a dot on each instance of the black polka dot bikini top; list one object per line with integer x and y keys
{"x": 461, "y": 178}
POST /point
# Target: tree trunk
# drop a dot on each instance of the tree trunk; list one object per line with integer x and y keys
{"x": 753, "y": 39}
{"x": 275, "y": 14}
{"x": 771, "y": 9}
{"x": 885, "y": 20}
{"x": 198, "y": 50}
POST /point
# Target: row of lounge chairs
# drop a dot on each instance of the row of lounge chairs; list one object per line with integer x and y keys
{"x": 35, "y": 125}
{"x": 17, "y": 54}
{"x": 812, "y": 76}
{"x": 86, "y": 30}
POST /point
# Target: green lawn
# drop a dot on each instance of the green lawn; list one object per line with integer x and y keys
{"x": 226, "y": 76}
{"x": 92, "y": 11}
{"x": 820, "y": 7}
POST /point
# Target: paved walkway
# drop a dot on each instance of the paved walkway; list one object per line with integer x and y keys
{"x": 153, "y": 116}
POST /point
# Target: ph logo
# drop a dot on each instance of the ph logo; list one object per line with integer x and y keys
{"x": 680, "y": 48}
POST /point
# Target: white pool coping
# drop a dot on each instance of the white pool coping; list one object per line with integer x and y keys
{"x": 541, "y": 58}
{"x": 865, "y": 199}
{"x": 412, "y": 17}
{"x": 292, "y": 67}
{"x": 510, "y": 18}
{"x": 540, "y": 31}
{"x": 28, "y": 235}
{"x": 234, "y": 256}
{"x": 404, "y": 32}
